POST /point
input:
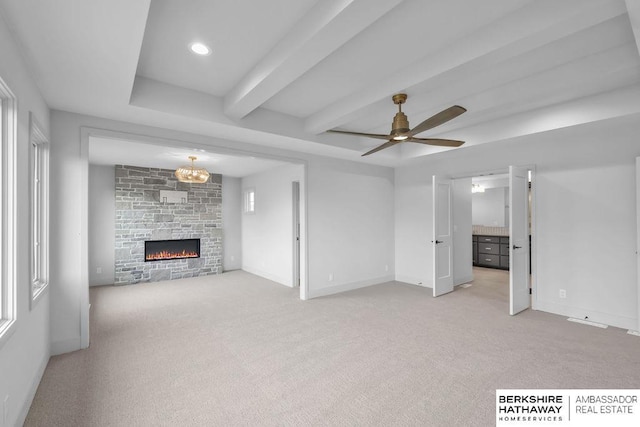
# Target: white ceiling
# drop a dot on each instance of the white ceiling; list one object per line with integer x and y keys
{"x": 283, "y": 72}
{"x": 107, "y": 151}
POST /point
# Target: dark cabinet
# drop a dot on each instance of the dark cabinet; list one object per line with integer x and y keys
{"x": 491, "y": 251}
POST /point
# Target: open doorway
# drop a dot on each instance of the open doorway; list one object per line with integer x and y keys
{"x": 506, "y": 239}
{"x": 490, "y": 234}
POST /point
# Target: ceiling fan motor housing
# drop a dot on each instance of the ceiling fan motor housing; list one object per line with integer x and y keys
{"x": 400, "y": 124}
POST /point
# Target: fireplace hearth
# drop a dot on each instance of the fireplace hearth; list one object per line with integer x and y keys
{"x": 162, "y": 250}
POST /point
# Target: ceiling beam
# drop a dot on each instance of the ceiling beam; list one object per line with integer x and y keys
{"x": 532, "y": 26}
{"x": 610, "y": 105}
{"x": 633, "y": 9}
{"x": 326, "y": 27}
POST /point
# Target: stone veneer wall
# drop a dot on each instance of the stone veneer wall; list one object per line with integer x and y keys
{"x": 140, "y": 216}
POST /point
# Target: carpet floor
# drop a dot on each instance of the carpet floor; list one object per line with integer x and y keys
{"x": 236, "y": 349}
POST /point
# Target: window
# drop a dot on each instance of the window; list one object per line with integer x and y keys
{"x": 39, "y": 160}
{"x": 7, "y": 211}
{"x": 249, "y": 200}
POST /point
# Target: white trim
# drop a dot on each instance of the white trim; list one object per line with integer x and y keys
{"x": 8, "y": 213}
{"x": 33, "y": 387}
{"x": 38, "y": 138}
{"x": 85, "y": 306}
{"x": 337, "y": 289}
{"x": 638, "y": 240}
{"x": 534, "y": 240}
{"x": 595, "y": 316}
{"x": 284, "y": 281}
{"x": 463, "y": 280}
{"x": 587, "y": 322}
{"x": 415, "y": 281}
{"x": 635, "y": 333}
{"x": 296, "y": 225}
{"x": 304, "y": 248}
{"x": 249, "y": 194}
{"x": 65, "y": 346}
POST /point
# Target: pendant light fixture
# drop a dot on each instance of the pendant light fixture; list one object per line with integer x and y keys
{"x": 192, "y": 174}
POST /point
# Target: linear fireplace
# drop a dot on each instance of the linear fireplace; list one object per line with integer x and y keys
{"x": 158, "y": 250}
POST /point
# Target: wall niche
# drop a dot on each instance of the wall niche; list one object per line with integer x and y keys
{"x": 142, "y": 215}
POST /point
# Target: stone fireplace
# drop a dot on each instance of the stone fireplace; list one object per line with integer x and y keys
{"x": 146, "y": 219}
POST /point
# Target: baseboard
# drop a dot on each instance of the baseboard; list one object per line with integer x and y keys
{"x": 266, "y": 275}
{"x": 425, "y": 283}
{"x": 31, "y": 393}
{"x": 594, "y": 316}
{"x": 65, "y": 346}
{"x": 463, "y": 280}
{"x": 331, "y": 290}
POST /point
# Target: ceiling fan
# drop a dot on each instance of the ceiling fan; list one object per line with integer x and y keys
{"x": 400, "y": 129}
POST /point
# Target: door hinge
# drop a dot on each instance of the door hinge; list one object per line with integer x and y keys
{"x": 530, "y": 291}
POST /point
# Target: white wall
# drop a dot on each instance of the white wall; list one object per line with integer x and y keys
{"x": 351, "y": 234}
{"x": 267, "y": 234}
{"x": 231, "y": 223}
{"x": 584, "y": 210}
{"x": 102, "y": 211}
{"x": 592, "y": 209}
{"x": 24, "y": 355}
{"x": 490, "y": 207}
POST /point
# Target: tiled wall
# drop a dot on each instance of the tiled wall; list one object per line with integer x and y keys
{"x": 141, "y": 215}
{"x": 482, "y": 230}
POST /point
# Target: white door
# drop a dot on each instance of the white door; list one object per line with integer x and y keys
{"x": 296, "y": 233}
{"x": 442, "y": 238}
{"x": 519, "y": 298}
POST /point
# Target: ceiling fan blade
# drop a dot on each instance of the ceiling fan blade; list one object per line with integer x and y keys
{"x": 387, "y": 144}
{"x": 369, "y": 135}
{"x": 437, "y": 141}
{"x": 438, "y": 119}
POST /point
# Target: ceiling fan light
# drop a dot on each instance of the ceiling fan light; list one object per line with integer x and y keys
{"x": 400, "y": 137}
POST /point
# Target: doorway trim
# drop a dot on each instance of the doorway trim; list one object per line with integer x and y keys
{"x": 534, "y": 233}
{"x": 295, "y": 194}
{"x": 86, "y": 132}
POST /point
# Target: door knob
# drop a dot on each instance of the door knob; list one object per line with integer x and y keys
{"x": 438, "y": 241}
{"x": 517, "y": 247}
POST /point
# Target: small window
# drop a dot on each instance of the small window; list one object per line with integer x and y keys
{"x": 7, "y": 211}
{"x": 39, "y": 159}
{"x": 249, "y": 200}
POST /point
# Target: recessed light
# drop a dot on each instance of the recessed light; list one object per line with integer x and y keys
{"x": 199, "y": 48}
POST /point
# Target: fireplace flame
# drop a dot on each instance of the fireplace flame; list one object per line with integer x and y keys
{"x": 170, "y": 255}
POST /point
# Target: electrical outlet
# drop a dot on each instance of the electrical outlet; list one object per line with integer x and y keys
{"x": 562, "y": 293}
{"x": 331, "y": 277}
{"x": 386, "y": 268}
{"x": 233, "y": 258}
{"x": 99, "y": 270}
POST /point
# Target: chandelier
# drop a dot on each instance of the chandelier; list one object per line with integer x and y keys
{"x": 192, "y": 174}
{"x": 477, "y": 188}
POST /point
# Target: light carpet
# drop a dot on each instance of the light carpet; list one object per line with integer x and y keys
{"x": 236, "y": 349}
